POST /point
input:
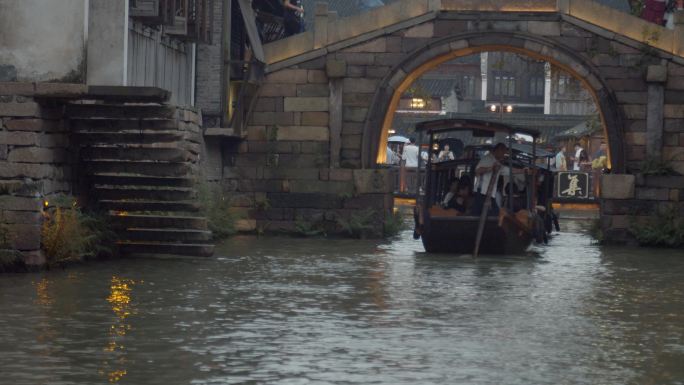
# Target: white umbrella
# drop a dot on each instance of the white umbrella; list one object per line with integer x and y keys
{"x": 398, "y": 139}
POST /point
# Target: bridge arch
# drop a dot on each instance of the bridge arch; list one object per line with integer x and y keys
{"x": 420, "y": 61}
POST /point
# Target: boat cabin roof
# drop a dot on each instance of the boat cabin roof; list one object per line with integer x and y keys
{"x": 479, "y": 128}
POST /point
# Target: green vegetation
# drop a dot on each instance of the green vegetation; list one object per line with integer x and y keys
{"x": 10, "y": 260}
{"x": 71, "y": 235}
{"x": 359, "y": 225}
{"x": 308, "y": 228}
{"x": 216, "y": 207}
{"x": 666, "y": 230}
{"x": 596, "y": 231}
{"x": 657, "y": 166}
{"x": 394, "y": 224}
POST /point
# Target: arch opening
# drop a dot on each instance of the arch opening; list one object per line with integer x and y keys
{"x": 564, "y": 66}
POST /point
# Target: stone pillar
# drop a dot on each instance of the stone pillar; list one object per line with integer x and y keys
{"x": 321, "y": 25}
{"x": 108, "y": 43}
{"x": 335, "y": 70}
{"x": 656, "y": 76}
{"x": 679, "y": 30}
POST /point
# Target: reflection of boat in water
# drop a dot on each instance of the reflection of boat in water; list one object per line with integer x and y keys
{"x": 449, "y": 230}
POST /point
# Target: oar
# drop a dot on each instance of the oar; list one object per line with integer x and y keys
{"x": 485, "y": 209}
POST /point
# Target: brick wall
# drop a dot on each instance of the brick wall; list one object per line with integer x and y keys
{"x": 35, "y": 160}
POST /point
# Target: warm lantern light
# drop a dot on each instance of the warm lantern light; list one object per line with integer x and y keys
{"x": 392, "y": 132}
{"x": 46, "y": 204}
{"x": 492, "y": 108}
{"x": 435, "y": 146}
{"x": 417, "y": 103}
{"x": 509, "y": 108}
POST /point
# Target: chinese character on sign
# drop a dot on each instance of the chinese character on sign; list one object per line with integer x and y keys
{"x": 574, "y": 187}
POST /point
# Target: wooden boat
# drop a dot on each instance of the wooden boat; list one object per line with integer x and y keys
{"x": 451, "y": 231}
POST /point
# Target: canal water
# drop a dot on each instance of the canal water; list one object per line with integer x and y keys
{"x": 314, "y": 311}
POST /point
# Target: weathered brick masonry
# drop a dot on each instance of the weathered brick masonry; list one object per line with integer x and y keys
{"x": 35, "y": 158}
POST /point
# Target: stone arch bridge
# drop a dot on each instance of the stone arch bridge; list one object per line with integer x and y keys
{"x": 329, "y": 94}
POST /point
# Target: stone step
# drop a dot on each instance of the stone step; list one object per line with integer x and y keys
{"x": 167, "y": 235}
{"x": 155, "y": 248}
{"x": 149, "y": 205}
{"x": 128, "y": 137}
{"x": 121, "y": 111}
{"x": 141, "y": 152}
{"x": 158, "y": 222}
{"x": 145, "y": 167}
{"x": 93, "y": 124}
{"x": 140, "y": 179}
{"x": 155, "y": 193}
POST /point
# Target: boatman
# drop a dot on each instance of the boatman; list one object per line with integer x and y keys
{"x": 490, "y": 165}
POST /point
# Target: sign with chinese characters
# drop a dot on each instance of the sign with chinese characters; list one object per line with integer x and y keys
{"x": 573, "y": 185}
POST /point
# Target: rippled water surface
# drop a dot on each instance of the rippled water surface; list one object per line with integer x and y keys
{"x": 303, "y": 311}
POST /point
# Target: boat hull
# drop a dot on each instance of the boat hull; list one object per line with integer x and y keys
{"x": 457, "y": 235}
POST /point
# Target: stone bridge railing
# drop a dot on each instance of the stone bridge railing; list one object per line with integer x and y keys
{"x": 331, "y": 34}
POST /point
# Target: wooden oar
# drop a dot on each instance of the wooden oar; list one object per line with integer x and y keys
{"x": 485, "y": 210}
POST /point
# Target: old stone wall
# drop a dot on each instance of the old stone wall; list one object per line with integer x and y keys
{"x": 628, "y": 200}
{"x": 209, "y": 71}
{"x": 35, "y": 160}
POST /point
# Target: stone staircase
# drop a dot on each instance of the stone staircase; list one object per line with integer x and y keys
{"x": 138, "y": 164}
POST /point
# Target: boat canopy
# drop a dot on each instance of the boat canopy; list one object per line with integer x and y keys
{"x": 479, "y": 128}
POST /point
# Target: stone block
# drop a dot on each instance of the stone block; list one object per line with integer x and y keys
{"x": 627, "y": 84}
{"x": 298, "y": 76}
{"x": 349, "y": 128}
{"x": 53, "y": 140}
{"x": 634, "y": 111}
{"x": 636, "y": 153}
{"x": 19, "y": 138}
{"x": 377, "y": 71}
{"x": 544, "y": 28}
{"x": 355, "y": 72}
{"x": 341, "y": 174}
{"x": 674, "y": 97}
{"x": 256, "y": 133}
{"x": 636, "y": 138}
{"x": 337, "y": 68}
{"x": 28, "y": 109}
{"x": 656, "y": 74}
{"x": 628, "y": 207}
{"x": 277, "y": 89}
{"x": 306, "y": 104}
{"x": 26, "y": 170}
{"x": 265, "y": 105}
{"x": 272, "y": 118}
{"x": 325, "y": 187}
{"x": 354, "y": 114}
{"x": 351, "y": 141}
{"x": 673, "y": 125}
{"x": 315, "y": 118}
{"x": 425, "y": 30}
{"x": 313, "y": 90}
{"x": 25, "y": 236}
{"x": 36, "y": 155}
{"x": 33, "y": 125}
{"x": 291, "y": 173}
{"x": 632, "y": 97}
{"x": 671, "y": 139}
{"x": 8, "y": 202}
{"x": 316, "y": 76}
{"x": 303, "y": 133}
{"x": 675, "y": 111}
{"x": 61, "y": 89}
{"x": 649, "y": 193}
{"x": 357, "y": 99}
{"x": 675, "y": 83}
{"x": 21, "y": 217}
{"x": 617, "y": 186}
{"x": 17, "y": 88}
{"x": 371, "y": 181}
{"x": 360, "y": 85}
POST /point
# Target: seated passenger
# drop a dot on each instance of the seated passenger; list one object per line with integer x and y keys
{"x": 460, "y": 199}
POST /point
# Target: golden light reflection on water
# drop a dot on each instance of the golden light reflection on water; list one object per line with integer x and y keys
{"x": 43, "y": 295}
{"x": 120, "y": 291}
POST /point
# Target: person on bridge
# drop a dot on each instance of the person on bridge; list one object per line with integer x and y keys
{"x": 561, "y": 162}
{"x": 294, "y": 17}
{"x": 410, "y": 155}
{"x": 445, "y": 154}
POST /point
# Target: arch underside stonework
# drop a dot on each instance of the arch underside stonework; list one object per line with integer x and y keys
{"x": 393, "y": 85}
